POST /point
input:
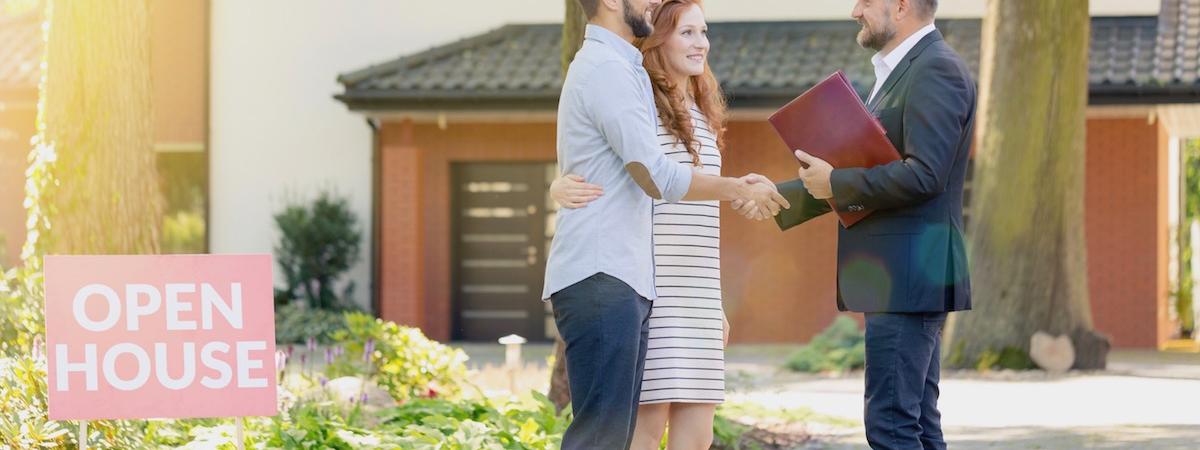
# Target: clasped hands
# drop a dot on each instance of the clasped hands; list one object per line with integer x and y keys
{"x": 814, "y": 172}
{"x": 755, "y": 196}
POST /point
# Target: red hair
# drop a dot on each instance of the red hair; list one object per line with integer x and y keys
{"x": 667, "y": 97}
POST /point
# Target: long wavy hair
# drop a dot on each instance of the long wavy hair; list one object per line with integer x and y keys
{"x": 668, "y": 98}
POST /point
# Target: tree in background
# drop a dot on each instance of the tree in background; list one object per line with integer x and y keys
{"x": 574, "y": 23}
{"x": 96, "y": 130}
{"x": 91, "y": 188}
{"x": 92, "y": 185}
{"x": 1028, "y": 254}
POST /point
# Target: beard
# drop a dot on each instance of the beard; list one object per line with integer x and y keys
{"x": 875, "y": 39}
{"x": 638, "y": 22}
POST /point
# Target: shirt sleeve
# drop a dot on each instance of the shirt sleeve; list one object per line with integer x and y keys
{"x": 615, "y": 100}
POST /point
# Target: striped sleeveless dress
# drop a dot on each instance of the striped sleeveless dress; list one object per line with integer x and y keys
{"x": 685, "y": 358}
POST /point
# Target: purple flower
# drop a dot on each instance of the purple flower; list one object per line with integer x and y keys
{"x": 324, "y": 381}
{"x": 328, "y": 356}
{"x": 280, "y": 360}
{"x": 368, "y": 350}
{"x": 38, "y": 349}
{"x": 312, "y": 344}
{"x": 364, "y": 398}
{"x": 290, "y": 349}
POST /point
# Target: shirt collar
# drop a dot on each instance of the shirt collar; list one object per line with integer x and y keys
{"x": 892, "y": 59}
{"x": 604, "y": 36}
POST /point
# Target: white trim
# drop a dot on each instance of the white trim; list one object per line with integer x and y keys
{"x": 17, "y": 105}
{"x": 1181, "y": 120}
{"x": 1121, "y": 112}
{"x": 179, "y": 147}
{"x": 446, "y": 119}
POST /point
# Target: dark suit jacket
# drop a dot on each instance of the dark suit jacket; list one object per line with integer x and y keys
{"x": 908, "y": 255}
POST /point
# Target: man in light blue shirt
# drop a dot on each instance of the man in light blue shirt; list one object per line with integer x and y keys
{"x": 600, "y": 272}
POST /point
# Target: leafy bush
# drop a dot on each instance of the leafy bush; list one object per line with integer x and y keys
{"x": 296, "y": 322}
{"x": 317, "y": 244}
{"x": 838, "y": 348}
{"x": 183, "y": 232}
{"x": 401, "y": 359}
{"x": 20, "y": 310}
{"x": 1008, "y": 358}
{"x": 437, "y": 424}
{"x": 25, "y": 422}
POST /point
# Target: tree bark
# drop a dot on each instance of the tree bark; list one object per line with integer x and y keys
{"x": 97, "y": 115}
{"x": 574, "y": 22}
{"x": 1028, "y": 254}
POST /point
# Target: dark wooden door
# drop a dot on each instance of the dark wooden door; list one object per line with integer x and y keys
{"x": 502, "y": 224}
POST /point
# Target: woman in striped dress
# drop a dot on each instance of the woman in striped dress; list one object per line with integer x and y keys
{"x": 684, "y": 377}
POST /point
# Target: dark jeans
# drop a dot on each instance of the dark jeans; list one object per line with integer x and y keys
{"x": 605, "y": 324}
{"x": 903, "y": 370}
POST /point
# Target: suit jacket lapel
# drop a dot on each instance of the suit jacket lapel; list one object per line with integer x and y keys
{"x": 902, "y": 68}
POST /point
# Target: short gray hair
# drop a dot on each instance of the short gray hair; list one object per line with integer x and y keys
{"x": 928, "y": 7}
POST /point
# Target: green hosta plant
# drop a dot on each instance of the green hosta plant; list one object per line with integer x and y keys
{"x": 400, "y": 359}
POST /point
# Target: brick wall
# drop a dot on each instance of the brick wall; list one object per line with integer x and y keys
{"x": 779, "y": 287}
{"x": 427, "y": 289}
{"x": 1127, "y": 229}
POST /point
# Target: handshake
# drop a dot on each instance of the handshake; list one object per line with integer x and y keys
{"x": 753, "y": 196}
{"x": 757, "y": 198}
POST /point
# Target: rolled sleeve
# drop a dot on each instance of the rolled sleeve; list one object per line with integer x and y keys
{"x": 616, "y": 100}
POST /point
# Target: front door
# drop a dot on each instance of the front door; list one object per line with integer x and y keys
{"x": 502, "y": 227}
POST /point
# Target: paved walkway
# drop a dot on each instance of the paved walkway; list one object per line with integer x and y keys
{"x": 1146, "y": 401}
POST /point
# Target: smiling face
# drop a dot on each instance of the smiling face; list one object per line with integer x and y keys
{"x": 878, "y": 28}
{"x": 686, "y": 48}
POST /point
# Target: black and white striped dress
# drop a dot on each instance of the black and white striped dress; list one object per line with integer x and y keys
{"x": 685, "y": 361}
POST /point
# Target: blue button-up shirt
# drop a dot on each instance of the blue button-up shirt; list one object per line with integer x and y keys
{"x": 607, "y": 121}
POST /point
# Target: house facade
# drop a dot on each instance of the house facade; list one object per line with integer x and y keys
{"x": 465, "y": 150}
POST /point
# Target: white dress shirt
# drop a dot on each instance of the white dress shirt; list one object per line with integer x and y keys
{"x": 885, "y": 64}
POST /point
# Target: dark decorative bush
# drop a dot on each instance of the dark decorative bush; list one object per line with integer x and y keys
{"x": 296, "y": 322}
{"x": 318, "y": 243}
{"x": 840, "y": 347}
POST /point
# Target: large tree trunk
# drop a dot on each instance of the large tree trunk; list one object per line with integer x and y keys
{"x": 1028, "y": 255}
{"x": 574, "y": 22}
{"x": 96, "y": 114}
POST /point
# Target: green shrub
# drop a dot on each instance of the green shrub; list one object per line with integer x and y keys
{"x": 1010, "y": 358}
{"x": 20, "y": 310}
{"x": 183, "y": 232}
{"x": 317, "y": 244}
{"x": 296, "y": 322}
{"x": 840, "y": 347}
{"x": 437, "y": 424}
{"x": 24, "y": 417}
{"x": 401, "y": 359}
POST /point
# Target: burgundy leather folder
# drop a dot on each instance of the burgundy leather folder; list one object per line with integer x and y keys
{"x": 830, "y": 122}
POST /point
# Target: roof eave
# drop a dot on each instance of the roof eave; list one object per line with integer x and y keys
{"x": 746, "y": 98}
{"x": 1128, "y": 94}
{"x": 443, "y": 101}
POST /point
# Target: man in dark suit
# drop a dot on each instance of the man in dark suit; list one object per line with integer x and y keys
{"x": 904, "y": 265}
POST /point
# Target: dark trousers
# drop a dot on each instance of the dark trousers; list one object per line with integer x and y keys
{"x": 605, "y": 324}
{"x": 903, "y": 370}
